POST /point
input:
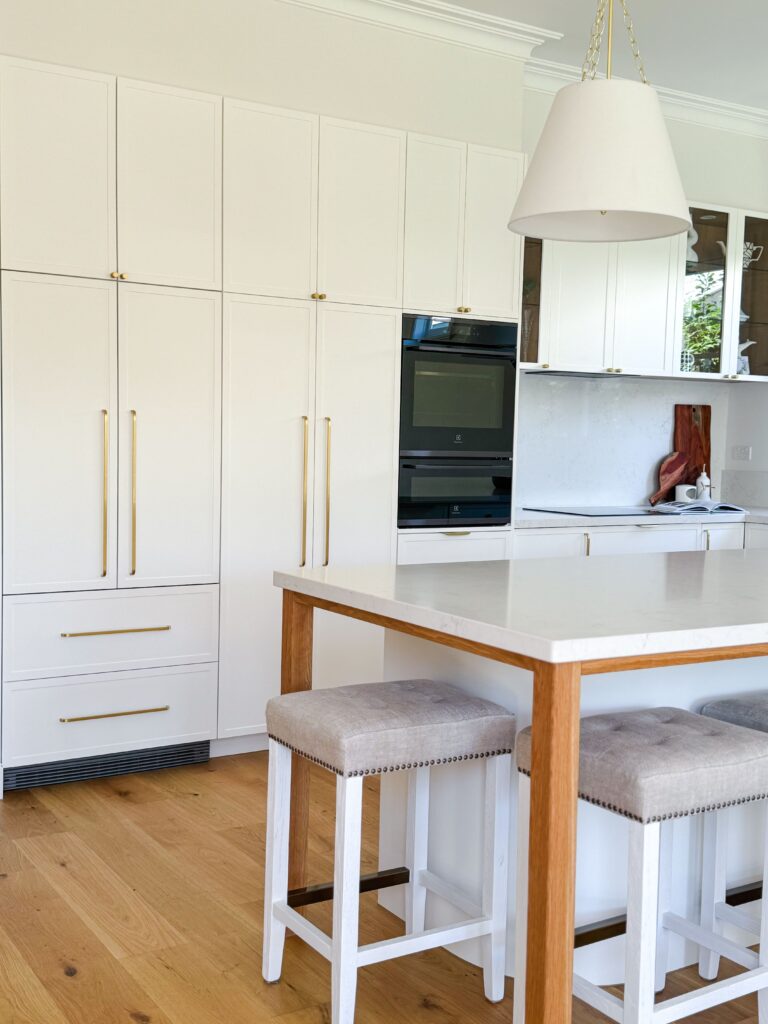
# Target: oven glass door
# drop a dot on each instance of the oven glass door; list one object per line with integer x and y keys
{"x": 444, "y": 492}
{"x": 457, "y": 402}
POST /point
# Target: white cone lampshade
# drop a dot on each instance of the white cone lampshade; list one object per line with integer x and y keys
{"x": 603, "y": 170}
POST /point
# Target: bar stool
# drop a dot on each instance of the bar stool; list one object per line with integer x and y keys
{"x": 653, "y": 766}
{"x": 356, "y": 731}
{"x": 750, "y": 712}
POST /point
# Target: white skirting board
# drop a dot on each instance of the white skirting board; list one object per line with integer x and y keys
{"x": 239, "y": 745}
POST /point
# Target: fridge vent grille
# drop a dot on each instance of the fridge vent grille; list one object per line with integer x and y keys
{"x": 105, "y": 765}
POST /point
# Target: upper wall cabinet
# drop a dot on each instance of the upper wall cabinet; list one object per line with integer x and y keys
{"x": 270, "y": 200}
{"x": 169, "y": 185}
{"x": 459, "y": 255}
{"x": 577, "y": 279}
{"x": 57, "y": 172}
{"x": 360, "y": 226}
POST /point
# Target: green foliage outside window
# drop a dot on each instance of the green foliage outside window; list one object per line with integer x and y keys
{"x": 703, "y": 323}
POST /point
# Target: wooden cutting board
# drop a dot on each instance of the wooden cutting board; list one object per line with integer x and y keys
{"x": 692, "y": 438}
{"x": 671, "y": 473}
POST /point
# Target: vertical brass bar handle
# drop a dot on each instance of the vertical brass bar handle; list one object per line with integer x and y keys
{"x": 105, "y": 496}
{"x": 709, "y": 539}
{"x": 327, "y": 490}
{"x": 305, "y": 420}
{"x": 587, "y": 545}
{"x": 133, "y": 492}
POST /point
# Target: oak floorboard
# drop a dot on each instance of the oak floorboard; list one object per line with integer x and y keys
{"x": 157, "y": 918}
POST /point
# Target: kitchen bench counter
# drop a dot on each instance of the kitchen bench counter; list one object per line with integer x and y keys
{"x": 560, "y": 619}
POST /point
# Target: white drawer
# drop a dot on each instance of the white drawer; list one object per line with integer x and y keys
{"x": 170, "y": 705}
{"x": 723, "y": 537}
{"x": 453, "y": 546}
{"x": 46, "y": 635}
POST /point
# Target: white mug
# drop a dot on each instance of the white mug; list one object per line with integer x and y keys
{"x": 685, "y": 492}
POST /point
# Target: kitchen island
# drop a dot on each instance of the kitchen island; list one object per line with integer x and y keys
{"x": 558, "y": 620}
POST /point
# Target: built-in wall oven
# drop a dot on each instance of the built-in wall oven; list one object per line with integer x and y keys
{"x": 457, "y": 416}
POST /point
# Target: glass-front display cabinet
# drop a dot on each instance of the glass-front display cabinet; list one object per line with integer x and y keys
{"x": 531, "y": 311}
{"x": 706, "y": 292}
{"x": 751, "y": 355}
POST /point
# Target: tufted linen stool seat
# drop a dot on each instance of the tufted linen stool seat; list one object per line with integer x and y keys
{"x": 653, "y": 766}
{"x": 356, "y": 731}
{"x": 750, "y": 712}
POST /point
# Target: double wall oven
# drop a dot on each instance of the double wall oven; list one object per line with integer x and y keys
{"x": 457, "y": 416}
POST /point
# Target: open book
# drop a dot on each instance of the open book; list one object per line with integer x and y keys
{"x": 701, "y": 505}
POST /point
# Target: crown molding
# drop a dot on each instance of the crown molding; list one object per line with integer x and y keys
{"x": 548, "y": 76}
{"x": 436, "y": 19}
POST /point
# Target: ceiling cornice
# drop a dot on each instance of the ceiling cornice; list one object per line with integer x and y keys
{"x": 436, "y": 19}
{"x": 548, "y": 76}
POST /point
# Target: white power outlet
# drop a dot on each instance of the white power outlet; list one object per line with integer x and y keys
{"x": 741, "y": 453}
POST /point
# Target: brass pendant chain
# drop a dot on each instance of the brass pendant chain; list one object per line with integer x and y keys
{"x": 591, "y": 63}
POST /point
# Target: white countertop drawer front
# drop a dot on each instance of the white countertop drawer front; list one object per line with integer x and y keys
{"x": 118, "y": 630}
{"x": 723, "y": 537}
{"x": 452, "y": 546}
{"x": 171, "y": 705}
{"x": 638, "y": 540}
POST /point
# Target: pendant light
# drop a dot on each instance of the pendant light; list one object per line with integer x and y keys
{"x": 603, "y": 170}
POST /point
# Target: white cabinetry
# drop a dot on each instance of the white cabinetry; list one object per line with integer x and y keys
{"x": 632, "y": 539}
{"x": 723, "y": 537}
{"x": 756, "y": 536}
{"x": 285, "y": 503}
{"x": 636, "y": 540}
{"x": 360, "y": 231}
{"x": 426, "y": 548}
{"x": 169, "y": 185}
{"x": 57, "y": 172}
{"x": 268, "y": 453}
{"x": 548, "y": 543}
{"x": 270, "y": 200}
{"x": 611, "y": 308}
{"x": 170, "y": 427}
{"x": 59, "y": 432}
{"x": 459, "y": 255}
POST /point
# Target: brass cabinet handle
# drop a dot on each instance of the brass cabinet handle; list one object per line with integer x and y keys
{"x": 323, "y": 296}
{"x": 105, "y": 496}
{"x": 315, "y": 295}
{"x": 114, "y": 275}
{"x": 304, "y": 494}
{"x": 587, "y": 545}
{"x": 116, "y": 714}
{"x": 456, "y": 533}
{"x": 115, "y": 632}
{"x": 708, "y": 540}
{"x": 123, "y": 277}
{"x": 327, "y": 490}
{"x": 133, "y": 492}
{"x": 545, "y": 366}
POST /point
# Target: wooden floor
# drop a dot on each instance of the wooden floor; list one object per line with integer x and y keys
{"x": 138, "y": 901}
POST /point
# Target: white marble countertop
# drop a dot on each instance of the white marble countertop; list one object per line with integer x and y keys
{"x": 570, "y": 609}
{"x": 528, "y": 520}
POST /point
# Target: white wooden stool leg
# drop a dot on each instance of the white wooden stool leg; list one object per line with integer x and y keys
{"x": 665, "y": 899}
{"x": 712, "y": 886}
{"x": 521, "y": 897}
{"x": 762, "y": 995}
{"x": 276, "y": 874}
{"x": 642, "y": 907}
{"x": 346, "y": 899}
{"x": 416, "y": 848}
{"x": 496, "y": 873}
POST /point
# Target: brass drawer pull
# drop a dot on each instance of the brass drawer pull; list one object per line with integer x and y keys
{"x": 115, "y": 714}
{"x": 327, "y": 558}
{"x": 133, "y": 492}
{"x": 456, "y": 533}
{"x": 105, "y": 497}
{"x": 305, "y": 478}
{"x": 115, "y": 632}
{"x": 587, "y": 545}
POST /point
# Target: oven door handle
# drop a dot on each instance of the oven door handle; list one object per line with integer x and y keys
{"x": 464, "y": 350}
{"x": 468, "y": 470}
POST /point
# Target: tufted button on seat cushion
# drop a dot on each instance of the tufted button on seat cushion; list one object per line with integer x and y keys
{"x": 751, "y": 711}
{"x": 665, "y": 763}
{"x": 380, "y": 727}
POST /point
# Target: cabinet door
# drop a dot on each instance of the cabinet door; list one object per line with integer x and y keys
{"x": 360, "y": 233}
{"x": 356, "y": 479}
{"x": 270, "y": 200}
{"x": 756, "y": 536}
{"x": 169, "y": 185}
{"x": 170, "y": 432}
{"x": 647, "y": 279}
{"x": 453, "y": 546}
{"x": 549, "y": 543}
{"x": 59, "y": 423}
{"x": 57, "y": 175}
{"x": 576, "y": 280}
{"x": 723, "y": 537}
{"x": 267, "y": 478}
{"x": 636, "y": 540}
{"x": 492, "y": 253}
{"x": 434, "y": 224}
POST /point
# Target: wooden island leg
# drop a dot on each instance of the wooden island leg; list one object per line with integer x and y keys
{"x": 297, "y": 675}
{"x": 552, "y": 858}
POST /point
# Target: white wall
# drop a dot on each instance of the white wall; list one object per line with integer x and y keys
{"x": 599, "y": 440}
{"x": 279, "y": 54}
{"x": 747, "y": 482}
